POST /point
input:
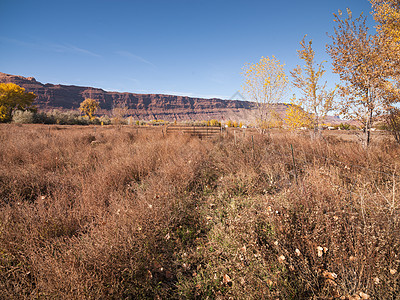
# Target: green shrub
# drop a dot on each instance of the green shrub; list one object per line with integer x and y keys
{"x": 344, "y": 126}
{"x": 23, "y": 117}
{"x": 105, "y": 120}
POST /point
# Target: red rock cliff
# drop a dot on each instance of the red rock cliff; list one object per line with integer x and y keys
{"x": 141, "y": 106}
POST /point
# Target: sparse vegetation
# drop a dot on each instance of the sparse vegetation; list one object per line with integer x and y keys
{"x": 119, "y": 213}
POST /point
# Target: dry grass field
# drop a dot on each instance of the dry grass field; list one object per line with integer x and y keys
{"x": 115, "y": 213}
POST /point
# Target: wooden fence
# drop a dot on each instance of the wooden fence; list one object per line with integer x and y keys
{"x": 200, "y": 131}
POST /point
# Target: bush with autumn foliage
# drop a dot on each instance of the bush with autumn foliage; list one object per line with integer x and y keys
{"x": 14, "y": 98}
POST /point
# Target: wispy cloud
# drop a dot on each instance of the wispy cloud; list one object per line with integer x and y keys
{"x": 68, "y": 48}
{"x": 18, "y": 42}
{"x": 62, "y": 48}
{"x": 130, "y": 55}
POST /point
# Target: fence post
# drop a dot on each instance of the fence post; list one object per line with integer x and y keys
{"x": 252, "y": 143}
{"x": 294, "y": 164}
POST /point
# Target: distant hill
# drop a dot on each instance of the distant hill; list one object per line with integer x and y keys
{"x": 140, "y": 106}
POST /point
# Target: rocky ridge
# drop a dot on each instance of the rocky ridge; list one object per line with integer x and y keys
{"x": 140, "y": 106}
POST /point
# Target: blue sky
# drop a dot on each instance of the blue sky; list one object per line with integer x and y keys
{"x": 182, "y": 47}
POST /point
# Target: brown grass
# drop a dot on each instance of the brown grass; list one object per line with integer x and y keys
{"x": 116, "y": 213}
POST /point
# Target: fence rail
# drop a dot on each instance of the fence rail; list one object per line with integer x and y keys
{"x": 200, "y": 131}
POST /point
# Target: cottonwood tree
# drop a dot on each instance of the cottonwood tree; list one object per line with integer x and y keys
{"x": 296, "y": 116}
{"x": 89, "y": 107}
{"x": 358, "y": 58}
{"x": 119, "y": 111}
{"x": 392, "y": 119}
{"x": 387, "y": 14}
{"x": 265, "y": 83}
{"x": 316, "y": 100}
{"x": 12, "y": 98}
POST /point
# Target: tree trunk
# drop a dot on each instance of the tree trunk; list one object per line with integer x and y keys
{"x": 367, "y": 133}
{"x": 316, "y": 124}
{"x": 368, "y": 128}
{"x": 369, "y": 117}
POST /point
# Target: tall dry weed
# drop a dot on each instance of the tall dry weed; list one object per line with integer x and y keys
{"x": 108, "y": 212}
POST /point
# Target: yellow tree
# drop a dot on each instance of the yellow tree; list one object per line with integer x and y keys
{"x": 387, "y": 14}
{"x": 296, "y": 116}
{"x": 265, "y": 83}
{"x": 89, "y": 107}
{"x": 213, "y": 123}
{"x": 359, "y": 59}
{"x": 316, "y": 100}
{"x": 13, "y": 97}
{"x": 275, "y": 120}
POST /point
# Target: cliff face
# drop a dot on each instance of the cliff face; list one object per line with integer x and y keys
{"x": 140, "y": 106}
